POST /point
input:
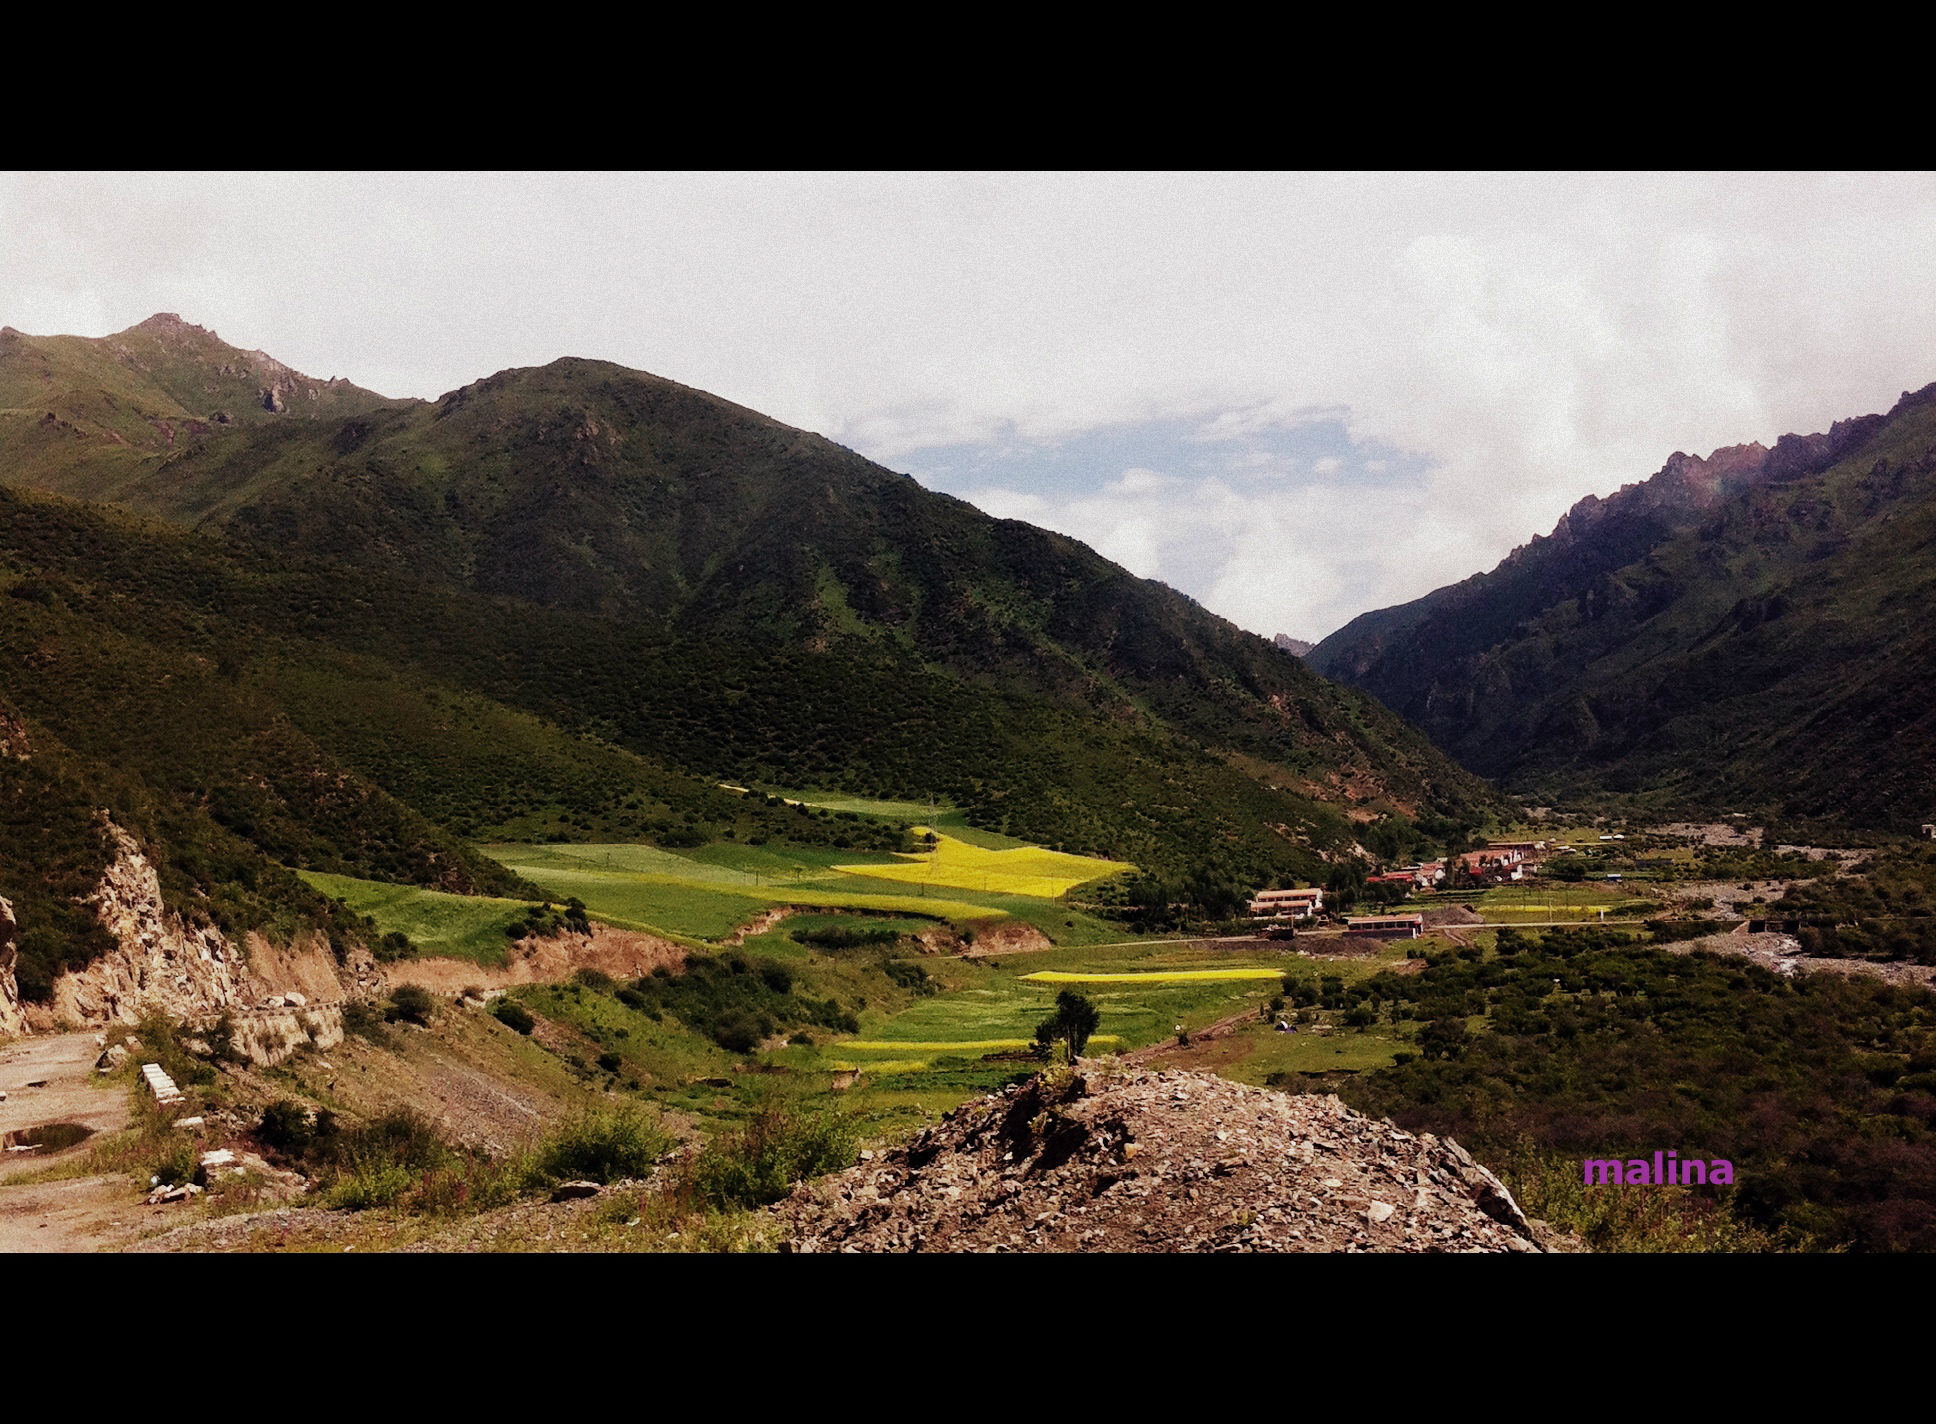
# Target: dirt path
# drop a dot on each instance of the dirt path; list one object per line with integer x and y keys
{"x": 79, "y": 1214}
{"x": 1206, "y": 1034}
{"x": 64, "y": 1063}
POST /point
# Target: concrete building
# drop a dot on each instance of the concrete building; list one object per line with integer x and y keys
{"x": 1386, "y": 926}
{"x": 1290, "y": 904}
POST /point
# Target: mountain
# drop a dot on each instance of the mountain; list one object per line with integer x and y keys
{"x": 1744, "y": 630}
{"x": 271, "y": 622}
{"x": 1296, "y": 647}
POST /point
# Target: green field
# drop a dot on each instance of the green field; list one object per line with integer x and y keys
{"x": 709, "y": 892}
{"x": 455, "y": 926}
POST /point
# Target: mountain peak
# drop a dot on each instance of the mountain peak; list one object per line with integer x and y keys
{"x": 170, "y": 321}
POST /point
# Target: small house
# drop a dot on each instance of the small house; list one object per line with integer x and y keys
{"x": 1386, "y": 926}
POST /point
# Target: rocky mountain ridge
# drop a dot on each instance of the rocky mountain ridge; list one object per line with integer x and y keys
{"x": 1736, "y": 630}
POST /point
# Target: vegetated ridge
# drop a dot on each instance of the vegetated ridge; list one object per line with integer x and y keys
{"x": 1744, "y": 631}
{"x": 265, "y": 621}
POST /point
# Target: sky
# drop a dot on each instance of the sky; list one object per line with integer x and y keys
{"x": 1294, "y": 397}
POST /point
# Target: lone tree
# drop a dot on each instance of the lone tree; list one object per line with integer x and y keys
{"x": 1074, "y": 1019}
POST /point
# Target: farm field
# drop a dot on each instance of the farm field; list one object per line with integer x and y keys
{"x": 709, "y": 892}
{"x": 1559, "y": 902}
{"x": 455, "y": 926}
{"x": 1022, "y": 870}
{"x": 943, "y": 817}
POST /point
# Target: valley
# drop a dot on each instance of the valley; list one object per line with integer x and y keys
{"x": 584, "y": 813}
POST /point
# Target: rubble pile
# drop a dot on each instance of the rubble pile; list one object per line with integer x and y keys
{"x": 1102, "y": 1158}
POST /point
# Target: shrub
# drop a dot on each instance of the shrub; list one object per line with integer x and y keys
{"x": 595, "y": 979}
{"x": 360, "y": 1017}
{"x": 737, "y": 1032}
{"x": 285, "y": 1126}
{"x": 604, "y": 1145}
{"x": 393, "y": 946}
{"x": 411, "y": 1004}
{"x": 759, "y": 1163}
{"x": 177, "y": 1160}
{"x": 610, "y": 1062}
{"x": 514, "y": 1015}
{"x": 161, "y": 1042}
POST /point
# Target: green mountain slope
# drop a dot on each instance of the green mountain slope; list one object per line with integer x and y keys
{"x": 354, "y": 635}
{"x": 1742, "y": 631}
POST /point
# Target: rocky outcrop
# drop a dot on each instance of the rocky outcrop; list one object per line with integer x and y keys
{"x": 1113, "y": 1159}
{"x": 12, "y": 1020}
{"x": 159, "y": 961}
{"x": 13, "y": 736}
{"x": 277, "y": 999}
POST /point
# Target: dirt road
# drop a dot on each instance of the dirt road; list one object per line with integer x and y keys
{"x": 79, "y": 1214}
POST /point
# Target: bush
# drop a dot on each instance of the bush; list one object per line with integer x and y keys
{"x": 411, "y": 1004}
{"x": 393, "y": 946}
{"x": 285, "y": 1126}
{"x": 836, "y": 937}
{"x": 360, "y": 1017}
{"x": 737, "y": 1032}
{"x": 759, "y": 1163}
{"x": 514, "y": 1015}
{"x": 604, "y": 1145}
{"x": 610, "y": 1062}
{"x": 1443, "y": 1038}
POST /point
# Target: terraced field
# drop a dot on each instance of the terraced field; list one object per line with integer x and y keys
{"x": 1022, "y": 870}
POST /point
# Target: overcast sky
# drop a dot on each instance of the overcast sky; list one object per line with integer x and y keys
{"x": 1295, "y": 398}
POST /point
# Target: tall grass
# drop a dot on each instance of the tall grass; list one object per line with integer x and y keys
{"x": 1623, "y": 1218}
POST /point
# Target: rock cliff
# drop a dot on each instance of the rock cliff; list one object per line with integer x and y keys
{"x": 12, "y": 1020}
{"x": 278, "y": 999}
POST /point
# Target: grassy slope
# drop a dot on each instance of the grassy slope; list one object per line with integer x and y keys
{"x": 449, "y": 926}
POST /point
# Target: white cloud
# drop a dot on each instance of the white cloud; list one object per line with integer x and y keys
{"x": 1500, "y": 344}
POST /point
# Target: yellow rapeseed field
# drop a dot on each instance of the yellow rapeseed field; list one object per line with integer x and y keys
{"x": 1162, "y": 976}
{"x": 1026, "y": 870}
{"x": 980, "y": 1045}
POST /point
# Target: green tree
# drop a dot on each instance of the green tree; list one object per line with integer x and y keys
{"x": 1073, "y": 1021}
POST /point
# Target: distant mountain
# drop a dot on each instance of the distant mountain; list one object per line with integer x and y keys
{"x": 1743, "y": 630}
{"x": 567, "y": 602}
{"x": 1296, "y": 647}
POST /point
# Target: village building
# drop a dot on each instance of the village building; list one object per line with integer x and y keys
{"x": 1495, "y": 863}
{"x": 1386, "y": 926}
{"x": 1293, "y": 904}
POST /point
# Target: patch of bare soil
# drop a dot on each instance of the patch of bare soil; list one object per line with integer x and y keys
{"x": 1133, "y": 1160}
{"x": 762, "y": 922}
{"x": 1004, "y": 937}
{"x": 1782, "y": 954}
{"x": 465, "y": 1073}
{"x": 1452, "y": 915}
{"x": 1714, "y": 833}
{"x": 623, "y": 954}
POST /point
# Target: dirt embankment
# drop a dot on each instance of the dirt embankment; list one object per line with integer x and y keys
{"x": 1782, "y": 954}
{"x": 1129, "y": 1160}
{"x": 623, "y": 954}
